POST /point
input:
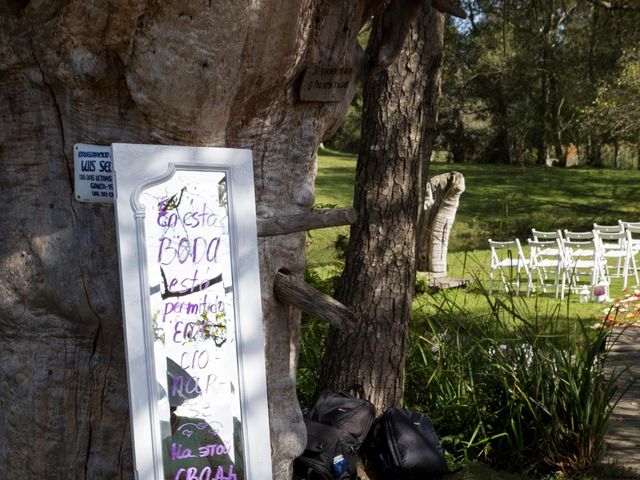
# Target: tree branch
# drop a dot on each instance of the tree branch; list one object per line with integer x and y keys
{"x": 335, "y": 217}
{"x": 449, "y": 7}
{"x": 396, "y": 21}
{"x": 294, "y": 291}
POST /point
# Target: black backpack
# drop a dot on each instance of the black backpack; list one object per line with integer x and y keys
{"x": 337, "y": 425}
{"x": 403, "y": 444}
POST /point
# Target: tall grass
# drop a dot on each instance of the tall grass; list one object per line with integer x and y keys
{"x": 511, "y": 388}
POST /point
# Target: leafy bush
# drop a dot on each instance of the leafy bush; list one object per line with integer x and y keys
{"x": 341, "y": 245}
{"x": 511, "y": 389}
{"x": 312, "y": 343}
{"x": 313, "y": 336}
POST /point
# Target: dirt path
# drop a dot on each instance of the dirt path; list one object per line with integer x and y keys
{"x": 623, "y": 439}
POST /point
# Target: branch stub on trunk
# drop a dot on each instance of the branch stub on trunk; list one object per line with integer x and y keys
{"x": 268, "y": 227}
{"x": 296, "y": 292}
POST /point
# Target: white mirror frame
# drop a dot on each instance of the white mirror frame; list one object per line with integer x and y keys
{"x": 138, "y": 167}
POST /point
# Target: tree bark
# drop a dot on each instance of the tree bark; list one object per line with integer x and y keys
{"x": 379, "y": 275}
{"x": 594, "y": 146}
{"x": 554, "y": 121}
{"x": 185, "y": 73}
{"x": 294, "y": 291}
{"x": 543, "y": 105}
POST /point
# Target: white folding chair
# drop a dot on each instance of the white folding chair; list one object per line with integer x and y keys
{"x": 507, "y": 258}
{"x": 624, "y": 225}
{"x": 545, "y": 263}
{"x": 612, "y": 246}
{"x": 632, "y": 233}
{"x": 584, "y": 236}
{"x": 633, "y": 226}
{"x": 608, "y": 228}
{"x": 542, "y": 236}
{"x": 582, "y": 266}
{"x": 578, "y": 236}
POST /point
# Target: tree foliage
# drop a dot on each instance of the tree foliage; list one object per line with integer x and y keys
{"x": 613, "y": 111}
{"x": 521, "y": 78}
{"x": 524, "y": 79}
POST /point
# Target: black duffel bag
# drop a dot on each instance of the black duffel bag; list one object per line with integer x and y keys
{"x": 403, "y": 444}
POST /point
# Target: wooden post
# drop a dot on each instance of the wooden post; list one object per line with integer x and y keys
{"x": 268, "y": 227}
{"x": 294, "y": 291}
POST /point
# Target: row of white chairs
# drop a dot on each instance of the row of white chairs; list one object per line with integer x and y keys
{"x": 567, "y": 260}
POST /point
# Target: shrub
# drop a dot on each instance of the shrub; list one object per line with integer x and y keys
{"x": 313, "y": 336}
{"x": 510, "y": 389}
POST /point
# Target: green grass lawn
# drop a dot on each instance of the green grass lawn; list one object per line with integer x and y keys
{"x": 503, "y": 202}
{"x": 500, "y": 202}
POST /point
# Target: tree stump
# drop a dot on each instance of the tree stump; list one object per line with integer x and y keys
{"x": 442, "y": 198}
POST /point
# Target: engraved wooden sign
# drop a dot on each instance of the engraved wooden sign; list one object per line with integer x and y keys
{"x": 325, "y": 84}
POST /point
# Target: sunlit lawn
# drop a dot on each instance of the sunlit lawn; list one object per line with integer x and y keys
{"x": 500, "y": 202}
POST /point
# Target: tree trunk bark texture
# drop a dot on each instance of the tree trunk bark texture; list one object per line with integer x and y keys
{"x": 379, "y": 276}
{"x": 543, "y": 106}
{"x": 440, "y": 207}
{"x": 184, "y": 73}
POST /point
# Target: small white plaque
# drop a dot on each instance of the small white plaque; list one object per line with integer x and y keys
{"x": 93, "y": 173}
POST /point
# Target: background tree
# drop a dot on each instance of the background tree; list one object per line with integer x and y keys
{"x": 523, "y": 73}
{"x": 614, "y": 113}
{"x": 521, "y": 78}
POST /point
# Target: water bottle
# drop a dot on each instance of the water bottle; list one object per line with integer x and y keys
{"x": 339, "y": 465}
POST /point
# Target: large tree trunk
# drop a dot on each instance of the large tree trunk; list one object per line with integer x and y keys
{"x": 186, "y": 73}
{"x": 379, "y": 276}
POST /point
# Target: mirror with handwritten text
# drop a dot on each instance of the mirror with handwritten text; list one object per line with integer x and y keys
{"x": 193, "y": 260}
{"x": 191, "y": 289}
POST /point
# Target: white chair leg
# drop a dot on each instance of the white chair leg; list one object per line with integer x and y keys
{"x": 490, "y": 281}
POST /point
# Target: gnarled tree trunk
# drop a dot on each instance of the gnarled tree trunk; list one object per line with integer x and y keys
{"x": 185, "y": 73}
